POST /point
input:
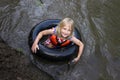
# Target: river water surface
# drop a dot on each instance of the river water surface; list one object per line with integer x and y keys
{"x": 98, "y": 21}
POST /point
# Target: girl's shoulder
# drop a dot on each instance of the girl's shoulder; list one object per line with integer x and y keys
{"x": 72, "y": 38}
{"x": 55, "y": 30}
{"x": 51, "y": 30}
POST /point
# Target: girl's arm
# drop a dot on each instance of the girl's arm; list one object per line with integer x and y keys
{"x": 81, "y": 46}
{"x": 39, "y": 36}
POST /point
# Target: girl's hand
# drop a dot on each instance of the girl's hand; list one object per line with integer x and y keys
{"x": 34, "y": 48}
{"x": 75, "y": 59}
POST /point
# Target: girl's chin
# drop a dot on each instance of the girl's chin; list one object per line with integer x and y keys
{"x": 64, "y": 36}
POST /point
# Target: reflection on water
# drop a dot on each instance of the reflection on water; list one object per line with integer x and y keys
{"x": 97, "y": 21}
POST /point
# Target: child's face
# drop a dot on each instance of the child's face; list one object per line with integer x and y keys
{"x": 66, "y": 31}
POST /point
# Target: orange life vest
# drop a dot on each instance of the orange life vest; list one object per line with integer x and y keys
{"x": 55, "y": 42}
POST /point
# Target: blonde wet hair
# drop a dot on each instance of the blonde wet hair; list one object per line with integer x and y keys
{"x": 64, "y": 22}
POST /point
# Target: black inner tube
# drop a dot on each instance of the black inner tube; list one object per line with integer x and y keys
{"x": 62, "y": 54}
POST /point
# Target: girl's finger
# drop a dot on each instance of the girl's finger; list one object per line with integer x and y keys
{"x": 37, "y": 47}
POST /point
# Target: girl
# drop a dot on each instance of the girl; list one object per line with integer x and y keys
{"x": 64, "y": 34}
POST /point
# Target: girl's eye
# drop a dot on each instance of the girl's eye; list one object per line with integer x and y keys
{"x": 64, "y": 28}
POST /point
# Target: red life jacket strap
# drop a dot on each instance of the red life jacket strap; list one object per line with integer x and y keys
{"x": 53, "y": 39}
{"x": 65, "y": 43}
